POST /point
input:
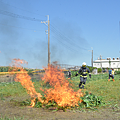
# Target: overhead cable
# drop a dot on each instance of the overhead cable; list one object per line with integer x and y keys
{"x": 68, "y": 40}
{"x": 20, "y": 8}
{"x": 18, "y": 16}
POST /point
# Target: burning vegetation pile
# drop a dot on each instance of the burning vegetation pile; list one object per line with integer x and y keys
{"x": 60, "y": 92}
{"x": 60, "y": 95}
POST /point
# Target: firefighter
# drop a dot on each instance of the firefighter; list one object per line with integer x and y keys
{"x": 69, "y": 74}
{"x": 111, "y": 74}
{"x": 83, "y": 75}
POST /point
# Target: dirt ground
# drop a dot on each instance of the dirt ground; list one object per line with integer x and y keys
{"x": 10, "y": 78}
{"x": 11, "y": 109}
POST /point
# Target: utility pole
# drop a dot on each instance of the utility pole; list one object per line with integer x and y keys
{"x": 91, "y": 58}
{"x": 48, "y": 24}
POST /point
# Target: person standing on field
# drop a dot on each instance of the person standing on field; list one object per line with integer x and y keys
{"x": 69, "y": 74}
{"x": 111, "y": 74}
{"x": 83, "y": 75}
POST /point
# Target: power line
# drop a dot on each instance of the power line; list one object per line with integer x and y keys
{"x": 67, "y": 39}
{"x": 21, "y": 8}
{"x": 18, "y": 16}
{"x": 67, "y": 42}
{"x": 70, "y": 44}
{"x": 24, "y": 17}
{"x": 64, "y": 44}
{"x": 33, "y": 19}
{"x": 61, "y": 42}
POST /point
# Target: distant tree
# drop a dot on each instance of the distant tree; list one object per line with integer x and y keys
{"x": 99, "y": 70}
{"x": 90, "y": 68}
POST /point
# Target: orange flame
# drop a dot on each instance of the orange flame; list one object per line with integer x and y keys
{"x": 61, "y": 93}
{"x": 26, "y": 82}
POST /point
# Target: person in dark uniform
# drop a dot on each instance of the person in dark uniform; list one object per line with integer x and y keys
{"x": 69, "y": 74}
{"x": 83, "y": 75}
{"x": 111, "y": 74}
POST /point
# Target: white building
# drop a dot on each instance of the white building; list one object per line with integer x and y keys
{"x": 108, "y": 63}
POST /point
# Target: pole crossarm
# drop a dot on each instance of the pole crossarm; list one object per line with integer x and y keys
{"x": 45, "y": 22}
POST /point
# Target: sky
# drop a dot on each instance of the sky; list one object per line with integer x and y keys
{"x": 76, "y": 28}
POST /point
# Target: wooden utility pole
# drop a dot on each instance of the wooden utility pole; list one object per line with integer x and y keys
{"x": 48, "y": 24}
{"x": 92, "y": 59}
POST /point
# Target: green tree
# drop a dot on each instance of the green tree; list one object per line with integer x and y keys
{"x": 99, "y": 70}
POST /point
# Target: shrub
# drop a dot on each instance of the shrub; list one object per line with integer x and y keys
{"x": 4, "y": 69}
{"x": 117, "y": 72}
{"x": 90, "y": 68}
{"x": 30, "y": 72}
{"x": 99, "y": 70}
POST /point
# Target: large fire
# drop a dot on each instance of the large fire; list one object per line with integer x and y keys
{"x": 61, "y": 92}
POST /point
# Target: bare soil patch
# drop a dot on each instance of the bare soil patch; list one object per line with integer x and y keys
{"x": 10, "y": 78}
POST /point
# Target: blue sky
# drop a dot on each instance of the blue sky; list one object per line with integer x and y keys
{"x": 76, "y": 27}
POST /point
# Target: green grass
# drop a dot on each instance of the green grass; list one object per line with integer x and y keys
{"x": 99, "y": 85}
{"x": 11, "y": 89}
{"x": 14, "y": 118}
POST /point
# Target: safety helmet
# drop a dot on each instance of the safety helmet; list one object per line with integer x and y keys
{"x": 83, "y": 64}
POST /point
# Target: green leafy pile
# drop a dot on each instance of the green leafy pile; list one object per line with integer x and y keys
{"x": 90, "y": 101}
